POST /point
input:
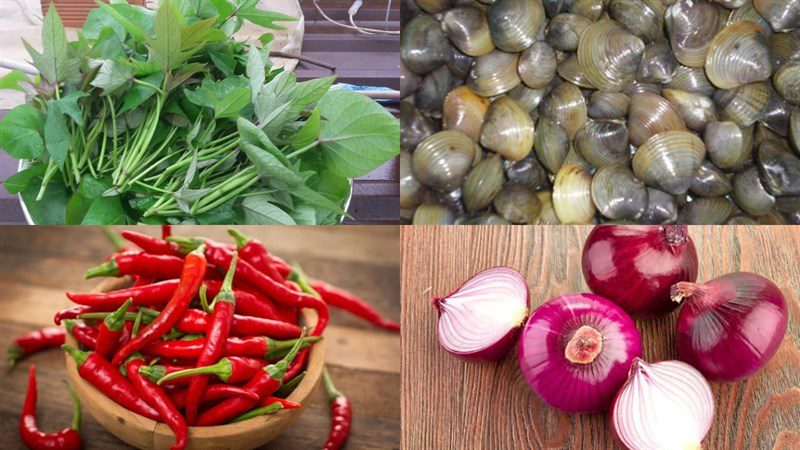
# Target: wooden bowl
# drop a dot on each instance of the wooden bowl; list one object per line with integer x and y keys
{"x": 144, "y": 433}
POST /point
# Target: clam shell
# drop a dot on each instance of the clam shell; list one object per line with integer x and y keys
{"x": 433, "y": 214}
{"x": 667, "y": 161}
{"x": 691, "y": 25}
{"x": 528, "y": 98}
{"x": 443, "y": 159}
{"x": 603, "y": 143}
{"x": 464, "y": 111}
{"x": 706, "y": 211}
{"x": 738, "y": 55}
{"x": 658, "y": 63}
{"x": 710, "y": 181}
{"x": 468, "y": 30}
{"x": 565, "y": 30}
{"x": 551, "y": 144}
{"x": 567, "y": 106}
{"x": 744, "y": 105}
{"x": 572, "y": 195}
{"x": 423, "y": 46}
{"x": 459, "y": 64}
{"x": 591, "y": 9}
{"x": 409, "y": 81}
{"x": 641, "y": 17}
{"x": 411, "y": 190}
{"x": 639, "y": 87}
{"x": 650, "y": 114}
{"x": 570, "y": 69}
{"x": 771, "y": 217}
{"x": 776, "y": 114}
{"x": 784, "y": 48}
{"x": 779, "y": 168}
{"x": 783, "y": 15}
{"x": 434, "y": 6}
{"x": 556, "y": 7}
{"x": 515, "y": 24}
{"x": 517, "y": 204}
{"x": 618, "y": 194}
{"x": 661, "y": 208}
{"x": 608, "y": 105}
{"x": 741, "y": 219}
{"x": 494, "y": 73}
{"x": 787, "y": 82}
{"x": 415, "y": 126}
{"x": 537, "y": 65}
{"x": 609, "y": 55}
{"x": 434, "y": 87}
{"x": 697, "y": 109}
{"x": 527, "y": 172}
{"x": 749, "y": 194}
{"x": 507, "y": 129}
{"x": 794, "y": 129}
{"x": 483, "y": 183}
{"x": 691, "y": 79}
{"x": 732, "y": 4}
{"x": 747, "y": 13}
{"x": 482, "y": 219}
{"x": 548, "y": 215}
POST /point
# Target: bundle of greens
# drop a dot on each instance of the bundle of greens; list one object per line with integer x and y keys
{"x": 163, "y": 117}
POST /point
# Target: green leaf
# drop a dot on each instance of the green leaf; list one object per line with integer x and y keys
{"x": 199, "y": 33}
{"x": 111, "y": 76}
{"x": 308, "y": 134}
{"x": 17, "y": 182}
{"x": 138, "y": 93}
{"x": 107, "y": 46}
{"x": 21, "y": 132}
{"x": 81, "y": 200}
{"x": 12, "y": 79}
{"x": 105, "y": 211}
{"x": 259, "y": 211}
{"x": 50, "y": 209}
{"x": 224, "y": 8}
{"x": 56, "y": 134}
{"x": 226, "y": 97}
{"x": 166, "y": 46}
{"x": 138, "y": 22}
{"x": 304, "y": 214}
{"x": 357, "y": 135}
{"x": 251, "y": 135}
{"x": 68, "y": 105}
{"x": 311, "y": 91}
{"x": 223, "y": 61}
{"x": 255, "y": 71}
{"x": 52, "y": 63}
{"x": 98, "y": 20}
{"x": 265, "y": 18}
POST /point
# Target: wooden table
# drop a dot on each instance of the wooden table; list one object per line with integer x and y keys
{"x": 38, "y": 264}
{"x": 448, "y": 403}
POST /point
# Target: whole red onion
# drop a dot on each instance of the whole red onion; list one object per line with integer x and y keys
{"x": 635, "y": 266}
{"x": 730, "y": 326}
{"x": 575, "y": 351}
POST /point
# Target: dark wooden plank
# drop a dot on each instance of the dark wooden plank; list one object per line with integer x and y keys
{"x": 443, "y": 396}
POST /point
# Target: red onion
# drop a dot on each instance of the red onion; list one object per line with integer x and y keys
{"x": 481, "y": 319}
{"x": 635, "y": 266}
{"x": 731, "y": 326}
{"x": 575, "y": 351}
{"x": 664, "y": 405}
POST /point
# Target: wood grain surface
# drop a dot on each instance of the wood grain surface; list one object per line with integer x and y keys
{"x": 451, "y": 404}
{"x": 38, "y": 264}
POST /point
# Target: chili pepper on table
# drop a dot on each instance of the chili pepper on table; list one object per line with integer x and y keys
{"x": 195, "y": 321}
{"x": 66, "y": 439}
{"x": 247, "y": 303}
{"x": 264, "y": 383}
{"x": 107, "y": 379}
{"x": 110, "y": 331}
{"x": 254, "y": 252}
{"x": 230, "y": 369}
{"x": 159, "y": 371}
{"x": 253, "y": 346}
{"x": 339, "y": 298}
{"x": 84, "y": 334}
{"x": 150, "y": 244}
{"x": 148, "y": 295}
{"x": 33, "y": 342}
{"x": 341, "y": 414}
{"x": 191, "y": 276}
{"x": 213, "y": 393}
{"x": 72, "y": 313}
{"x": 142, "y": 264}
{"x": 160, "y": 401}
{"x": 289, "y": 385}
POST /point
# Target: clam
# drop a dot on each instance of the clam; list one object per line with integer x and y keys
{"x": 706, "y": 211}
{"x": 738, "y": 55}
{"x": 423, "y": 46}
{"x": 747, "y": 13}
{"x": 608, "y": 105}
{"x": 741, "y": 219}
{"x": 691, "y": 79}
{"x": 787, "y": 204}
{"x": 537, "y": 65}
{"x": 697, "y": 109}
{"x": 710, "y": 181}
{"x": 776, "y": 114}
{"x": 551, "y": 144}
{"x": 468, "y": 30}
{"x": 434, "y": 6}
{"x": 787, "y": 82}
{"x": 575, "y": 158}
{"x": 639, "y": 87}
{"x": 794, "y": 129}
{"x": 556, "y": 7}
{"x": 494, "y": 73}
{"x": 732, "y": 4}
{"x": 528, "y": 98}
{"x": 434, "y": 87}
{"x": 783, "y": 15}
{"x": 411, "y": 191}
{"x": 591, "y": 9}
{"x": 572, "y": 195}
{"x": 784, "y": 48}
{"x": 644, "y": 18}
{"x": 459, "y": 63}
{"x": 570, "y": 69}
{"x": 762, "y": 134}
{"x": 603, "y": 143}
{"x": 779, "y": 168}
{"x": 771, "y": 217}
{"x": 658, "y": 63}
{"x": 749, "y": 193}
{"x": 691, "y": 25}
{"x": 661, "y": 208}
{"x": 483, "y": 183}
{"x": 527, "y": 172}
{"x": 565, "y": 30}
{"x": 609, "y": 55}
{"x": 515, "y": 24}
{"x": 433, "y": 214}
{"x": 416, "y": 126}
{"x": 443, "y": 159}
{"x": 567, "y": 106}
{"x": 618, "y": 194}
{"x": 482, "y": 219}
{"x": 507, "y": 129}
{"x": 548, "y": 215}
{"x": 667, "y": 161}
{"x": 409, "y": 81}
{"x": 464, "y": 111}
{"x": 744, "y": 105}
{"x": 650, "y": 114}
{"x": 517, "y": 204}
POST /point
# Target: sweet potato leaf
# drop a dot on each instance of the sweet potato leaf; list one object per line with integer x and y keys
{"x": 22, "y": 132}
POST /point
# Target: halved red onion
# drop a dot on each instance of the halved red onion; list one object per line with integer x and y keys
{"x": 731, "y": 326}
{"x": 634, "y": 266}
{"x": 481, "y": 319}
{"x": 664, "y": 405}
{"x": 575, "y": 351}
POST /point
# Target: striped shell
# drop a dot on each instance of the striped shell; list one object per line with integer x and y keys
{"x": 610, "y": 55}
{"x": 738, "y": 55}
{"x": 667, "y": 161}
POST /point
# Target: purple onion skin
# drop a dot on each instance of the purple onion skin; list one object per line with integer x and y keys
{"x": 731, "y": 326}
{"x": 635, "y": 266}
{"x": 569, "y": 386}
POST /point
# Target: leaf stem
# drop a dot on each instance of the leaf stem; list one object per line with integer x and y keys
{"x": 303, "y": 150}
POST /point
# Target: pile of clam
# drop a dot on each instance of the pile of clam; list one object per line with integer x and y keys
{"x": 587, "y": 111}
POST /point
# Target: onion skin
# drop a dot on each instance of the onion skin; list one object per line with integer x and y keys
{"x": 731, "y": 326}
{"x": 635, "y": 266}
{"x": 566, "y": 385}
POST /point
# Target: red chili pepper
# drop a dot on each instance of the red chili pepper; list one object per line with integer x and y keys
{"x": 160, "y": 401}
{"x": 73, "y": 312}
{"x": 264, "y": 383}
{"x": 192, "y": 275}
{"x": 107, "y": 379}
{"x": 150, "y": 244}
{"x": 159, "y": 371}
{"x": 341, "y": 415}
{"x": 287, "y": 404}
{"x": 195, "y": 321}
{"x": 282, "y": 266}
{"x": 213, "y": 393}
{"x": 142, "y": 281}
{"x": 166, "y": 231}
{"x": 149, "y": 295}
{"x": 339, "y": 298}
{"x": 230, "y": 369}
{"x": 84, "y": 334}
{"x": 66, "y": 439}
{"x": 108, "y": 336}
{"x": 142, "y": 264}
{"x": 247, "y": 303}
{"x": 127, "y": 333}
{"x": 33, "y": 342}
{"x": 254, "y": 252}
{"x": 253, "y": 346}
